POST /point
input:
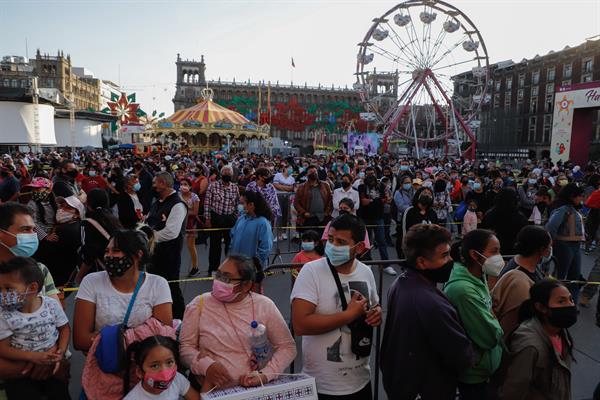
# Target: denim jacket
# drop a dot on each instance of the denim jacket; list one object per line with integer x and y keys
{"x": 566, "y": 224}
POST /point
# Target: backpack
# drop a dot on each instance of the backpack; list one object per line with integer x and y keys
{"x": 110, "y": 353}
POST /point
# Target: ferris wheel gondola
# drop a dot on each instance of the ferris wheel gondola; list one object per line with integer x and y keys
{"x": 426, "y": 48}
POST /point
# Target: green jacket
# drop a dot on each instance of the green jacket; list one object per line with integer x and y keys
{"x": 471, "y": 298}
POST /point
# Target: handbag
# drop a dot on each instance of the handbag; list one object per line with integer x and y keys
{"x": 361, "y": 333}
{"x": 110, "y": 353}
{"x": 460, "y": 212}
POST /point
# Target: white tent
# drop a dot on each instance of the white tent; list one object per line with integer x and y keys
{"x": 17, "y": 124}
{"x": 86, "y": 132}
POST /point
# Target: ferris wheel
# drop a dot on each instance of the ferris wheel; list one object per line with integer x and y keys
{"x": 410, "y": 64}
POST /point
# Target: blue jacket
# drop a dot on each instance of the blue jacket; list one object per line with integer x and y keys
{"x": 424, "y": 347}
{"x": 566, "y": 224}
{"x": 252, "y": 237}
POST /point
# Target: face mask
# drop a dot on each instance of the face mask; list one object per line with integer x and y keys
{"x": 163, "y": 169}
{"x": 361, "y": 175}
{"x": 27, "y": 244}
{"x": 345, "y": 184}
{"x": 497, "y": 186}
{"x": 337, "y": 255}
{"x": 308, "y": 246}
{"x": 224, "y": 292}
{"x": 404, "y": 168}
{"x": 312, "y": 176}
{"x": 226, "y": 178}
{"x": 160, "y": 380}
{"x": 39, "y": 196}
{"x": 72, "y": 174}
{"x": 184, "y": 189}
{"x": 476, "y": 186}
{"x": 290, "y": 171}
{"x": 425, "y": 200}
{"x": 493, "y": 265}
{"x": 563, "y": 317}
{"x": 137, "y": 186}
{"x": 241, "y": 209}
{"x": 371, "y": 181}
{"x": 117, "y": 266}
{"x": 13, "y": 300}
{"x": 301, "y": 169}
{"x": 440, "y": 275}
{"x": 547, "y": 258}
{"x": 63, "y": 216}
{"x": 92, "y": 173}
{"x": 563, "y": 182}
{"x": 532, "y": 181}
{"x": 406, "y": 186}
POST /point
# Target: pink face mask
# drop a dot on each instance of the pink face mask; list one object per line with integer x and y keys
{"x": 224, "y": 292}
{"x": 160, "y": 380}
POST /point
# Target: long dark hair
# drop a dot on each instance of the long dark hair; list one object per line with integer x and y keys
{"x": 415, "y": 200}
{"x": 313, "y": 236}
{"x": 261, "y": 208}
{"x": 531, "y": 239}
{"x": 98, "y": 203}
{"x": 139, "y": 351}
{"x": 506, "y": 200}
{"x": 566, "y": 195}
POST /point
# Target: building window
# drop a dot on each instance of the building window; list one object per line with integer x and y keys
{"x": 520, "y": 93}
{"x": 550, "y": 88}
{"x": 498, "y": 85}
{"x": 6, "y": 83}
{"x": 14, "y": 83}
{"x": 567, "y": 70}
{"x": 535, "y": 77}
{"x": 566, "y": 82}
{"x": 508, "y": 84}
{"x": 496, "y": 100}
{"x": 531, "y": 129}
{"x": 551, "y": 74}
{"x": 587, "y": 65}
{"x": 23, "y": 83}
{"x": 586, "y": 78}
{"x": 521, "y": 80}
{"x": 534, "y": 91}
{"x": 533, "y": 105}
{"x": 547, "y": 128}
{"x": 507, "y": 100}
{"x": 549, "y": 104}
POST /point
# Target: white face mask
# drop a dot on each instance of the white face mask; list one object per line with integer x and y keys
{"x": 547, "y": 258}
{"x": 493, "y": 265}
{"x": 63, "y": 216}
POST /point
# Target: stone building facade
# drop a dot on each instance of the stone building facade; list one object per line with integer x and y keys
{"x": 516, "y": 116}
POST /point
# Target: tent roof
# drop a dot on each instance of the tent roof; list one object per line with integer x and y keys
{"x": 207, "y": 111}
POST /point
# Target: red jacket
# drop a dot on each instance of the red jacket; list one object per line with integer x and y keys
{"x": 594, "y": 200}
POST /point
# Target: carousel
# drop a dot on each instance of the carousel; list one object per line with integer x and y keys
{"x": 209, "y": 126}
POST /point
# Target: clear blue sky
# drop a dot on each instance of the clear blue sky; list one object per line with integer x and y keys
{"x": 256, "y": 39}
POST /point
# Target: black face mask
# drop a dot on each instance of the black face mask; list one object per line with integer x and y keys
{"x": 440, "y": 275}
{"x": 370, "y": 181}
{"x": 312, "y": 176}
{"x": 72, "y": 174}
{"x": 226, "y": 178}
{"x": 345, "y": 184}
{"x": 426, "y": 200}
{"x": 563, "y": 317}
{"x": 117, "y": 266}
{"x": 4, "y": 174}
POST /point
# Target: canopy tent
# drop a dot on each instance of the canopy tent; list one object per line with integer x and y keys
{"x": 86, "y": 133}
{"x": 207, "y": 111}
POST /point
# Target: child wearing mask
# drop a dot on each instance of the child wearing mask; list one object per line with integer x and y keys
{"x": 312, "y": 248}
{"x": 470, "y": 220}
{"x": 33, "y": 328}
{"x": 156, "y": 358}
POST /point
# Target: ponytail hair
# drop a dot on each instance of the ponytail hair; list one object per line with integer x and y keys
{"x": 540, "y": 292}
{"x": 138, "y": 351}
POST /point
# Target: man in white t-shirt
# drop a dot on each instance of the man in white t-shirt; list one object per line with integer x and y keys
{"x": 317, "y": 313}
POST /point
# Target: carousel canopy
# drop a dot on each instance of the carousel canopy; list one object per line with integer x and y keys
{"x": 207, "y": 111}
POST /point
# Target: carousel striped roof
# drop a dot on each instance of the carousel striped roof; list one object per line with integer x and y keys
{"x": 207, "y": 111}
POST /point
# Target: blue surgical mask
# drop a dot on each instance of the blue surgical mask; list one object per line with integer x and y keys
{"x": 92, "y": 173}
{"x": 404, "y": 168}
{"x": 290, "y": 171}
{"x": 241, "y": 209}
{"x": 361, "y": 175}
{"x": 137, "y": 186}
{"x": 337, "y": 255}
{"x": 476, "y": 186}
{"x": 27, "y": 244}
{"x": 532, "y": 181}
{"x": 308, "y": 246}
{"x": 406, "y": 186}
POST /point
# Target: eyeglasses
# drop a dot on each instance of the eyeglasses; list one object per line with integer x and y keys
{"x": 225, "y": 279}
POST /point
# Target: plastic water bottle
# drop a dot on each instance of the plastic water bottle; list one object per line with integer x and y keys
{"x": 259, "y": 344}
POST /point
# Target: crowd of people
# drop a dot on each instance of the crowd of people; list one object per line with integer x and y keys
{"x": 112, "y": 228}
